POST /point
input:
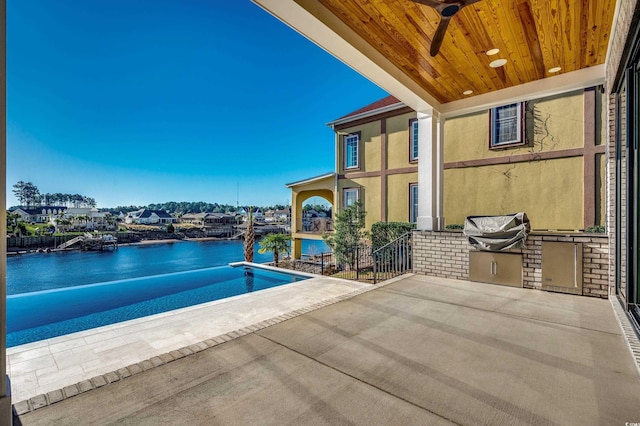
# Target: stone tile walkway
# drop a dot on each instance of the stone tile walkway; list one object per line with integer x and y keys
{"x": 53, "y": 364}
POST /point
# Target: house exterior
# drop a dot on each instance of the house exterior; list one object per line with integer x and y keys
{"x": 377, "y": 161}
{"x": 150, "y": 217}
{"x": 86, "y": 218}
{"x": 534, "y": 110}
{"x": 41, "y": 214}
{"x": 556, "y": 143}
{"x": 550, "y": 164}
{"x": 279, "y": 215}
{"x": 324, "y": 186}
{"x": 208, "y": 219}
{"x": 256, "y": 213}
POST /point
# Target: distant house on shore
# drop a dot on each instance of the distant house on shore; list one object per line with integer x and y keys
{"x": 88, "y": 218}
{"x": 280, "y": 215}
{"x": 41, "y": 214}
{"x": 150, "y": 217}
{"x": 256, "y": 213}
{"x": 208, "y": 219}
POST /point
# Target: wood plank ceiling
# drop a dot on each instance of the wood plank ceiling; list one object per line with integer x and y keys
{"x": 532, "y": 35}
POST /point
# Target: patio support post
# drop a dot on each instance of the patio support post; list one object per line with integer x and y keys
{"x": 430, "y": 171}
{"x": 296, "y": 248}
{"x": 6, "y": 416}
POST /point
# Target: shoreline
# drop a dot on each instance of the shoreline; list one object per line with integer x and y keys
{"x": 47, "y": 250}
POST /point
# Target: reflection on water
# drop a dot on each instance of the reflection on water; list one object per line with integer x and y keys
{"x": 248, "y": 280}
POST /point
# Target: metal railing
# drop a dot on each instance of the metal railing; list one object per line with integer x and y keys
{"x": 358, "y": 265}
{"x": 393, "y": 259}
{"x": 314, "y": 225}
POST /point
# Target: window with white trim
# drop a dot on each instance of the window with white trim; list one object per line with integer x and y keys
{"x": 350, "y": 196}
{"x": 413, "y": 203}
{"x": 351, "y": 151}
{"x": 413, "y": 140}
{"x": 507, "y": 126}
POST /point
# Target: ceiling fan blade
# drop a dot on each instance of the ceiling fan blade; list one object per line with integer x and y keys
{"x": 439, "y": 35}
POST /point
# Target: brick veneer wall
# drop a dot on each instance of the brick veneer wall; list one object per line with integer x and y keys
{"x": 621, "y": 34}
{"x": 446, "y": 254}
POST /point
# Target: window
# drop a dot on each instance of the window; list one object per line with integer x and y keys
{"x": 351, "y": 151}
{"x": 413, "y": 140}
{"x": 506, "y": 126}
{"x": 413, "y": 202}
{"x": 350, "y": 196}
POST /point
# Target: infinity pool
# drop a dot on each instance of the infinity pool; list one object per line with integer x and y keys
{"x": 49, "y": 313}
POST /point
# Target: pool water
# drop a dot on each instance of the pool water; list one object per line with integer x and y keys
{"x": 44, "y": 314}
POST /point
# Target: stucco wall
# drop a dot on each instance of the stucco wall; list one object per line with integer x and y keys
{"x": 369, "y": 196}
{"x": 398, "y": 196}
{"x": 398, "y": 141}
{"x": 549, "y": 191}
{"x": 552, "y": 124}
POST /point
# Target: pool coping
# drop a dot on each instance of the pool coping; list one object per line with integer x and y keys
{"x": 54, "y": 396}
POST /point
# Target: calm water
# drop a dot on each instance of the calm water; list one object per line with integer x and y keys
{"x": 37, "y": 272}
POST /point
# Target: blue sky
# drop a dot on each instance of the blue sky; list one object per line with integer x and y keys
{"x": 146, "y": 101}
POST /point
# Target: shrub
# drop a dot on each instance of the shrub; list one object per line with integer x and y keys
{"x": 384, "y": 232}
{"x": 454, "y": 226}
{"x": 170, "y": 228}
{"x": 349, "y": 233}
{"x": 598, "y": 229}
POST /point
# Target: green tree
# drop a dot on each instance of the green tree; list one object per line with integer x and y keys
{"x": 170, "y": 228}
{"x": 12, "y": 220}
{"x": 384, "y": 232}
{"x": 275, "y": 243}
{"x": 26, "y": 193}
{"x": 349, "y": 233}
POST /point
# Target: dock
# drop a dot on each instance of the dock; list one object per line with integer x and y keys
{"x": 92, "y": 242}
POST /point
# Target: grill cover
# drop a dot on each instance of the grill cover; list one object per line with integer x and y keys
{"x": 496, "y": 233}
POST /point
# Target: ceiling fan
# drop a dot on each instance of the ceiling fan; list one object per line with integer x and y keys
{"x": 447, "y": 9}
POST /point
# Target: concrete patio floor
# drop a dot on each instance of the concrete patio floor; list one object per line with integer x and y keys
{"x": 419, "y": 350}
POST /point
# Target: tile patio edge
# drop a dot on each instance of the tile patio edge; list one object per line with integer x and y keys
{"x": 54, "y": 396}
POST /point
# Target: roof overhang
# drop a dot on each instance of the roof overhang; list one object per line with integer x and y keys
{"x": 311, "y": 180}
{"x": 332, "y": 33}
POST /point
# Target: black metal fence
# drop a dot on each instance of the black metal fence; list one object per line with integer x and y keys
{"x": 363, "y": 263}
{"x": 393, "y": 259}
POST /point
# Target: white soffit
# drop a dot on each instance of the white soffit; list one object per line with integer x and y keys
{"x": 305, "y": 23}
{"x": 562, "y": 83}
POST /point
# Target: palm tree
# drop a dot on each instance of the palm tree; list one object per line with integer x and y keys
{"x": 275, "y": 243}
{"x": 249, "y": 239}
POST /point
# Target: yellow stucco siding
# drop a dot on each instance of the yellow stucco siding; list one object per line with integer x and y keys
{"x": 398, "y": 141}
{"x": 369, "y": 155}
{"x": 551, "y": 124}
{"x": 550, "y": 192}
{"x": 370, "y": 193}
{"x": 398, "y": 196}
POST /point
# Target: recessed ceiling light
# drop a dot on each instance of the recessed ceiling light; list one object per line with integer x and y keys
{"x": 554, "y": 69}
{"x": 467, "y": 92}
{"x": 498, "y": 63}
{"x": 492, "y": 52}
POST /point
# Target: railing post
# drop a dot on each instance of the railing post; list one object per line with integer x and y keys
{"x": 375, "y": 267}
{"x": 357, "y": 263}
{"x": 321, "y": 263}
